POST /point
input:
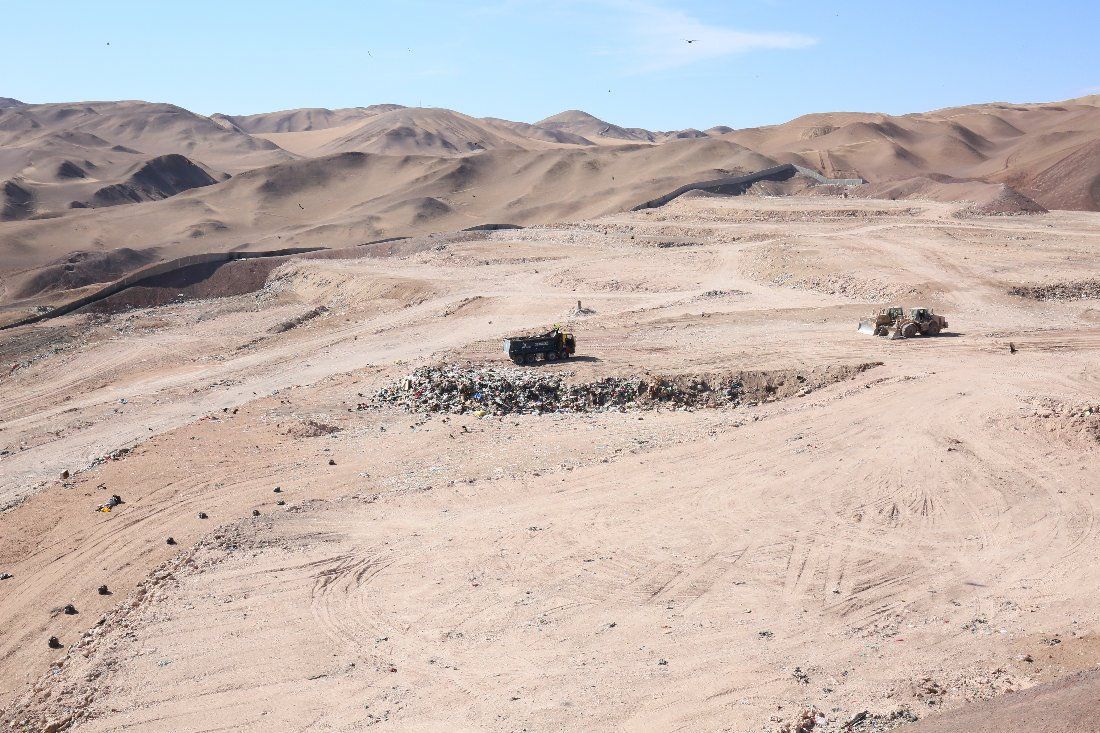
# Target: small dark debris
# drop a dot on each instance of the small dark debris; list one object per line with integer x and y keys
{"x": 280, "y": 502}
{"x": 255, "y": 512}
{"x": 277, "y": 490}
{"x": 171, "y": 540}
{"x": 103, "y": 590}
{"x": 6, "y": 576}
{"x": 203, "y": 515}
{"x": 110, "y": 504}
{"x": 331, "y": 462}
{"x": 54, "y": 643}
{"x": 1011, "y": 348}
{"x": 69, "y": 609}
{"x": 662, "y": 662}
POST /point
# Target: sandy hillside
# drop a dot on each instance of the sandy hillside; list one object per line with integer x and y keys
{"x": 348, "y": 199}
{"x": 91, "y": 190}
{"x": 779, "y": 520}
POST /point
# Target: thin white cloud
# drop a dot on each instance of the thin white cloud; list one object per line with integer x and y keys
{"x": 657, "y": 37}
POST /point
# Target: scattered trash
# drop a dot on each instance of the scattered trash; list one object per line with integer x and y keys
{"x": 807, "y": 720}
{"x": 800, "y": 676}
{"x": 203, "y": 515}
{"x": 277, "y": 490}
{"x": 54, "y": 643}
{"x": 6, "y": 576}
{"x": 171, "y": 540}
{"x": 65, "y": 474}
{"x": 976, "y": 625}
{"x": 1061, "y": 291}
{"x": 298, "y": 320}
{"x": 69, "y": 609}
{"x": 312, "y": 429}
{"x": 581, "y": 310}
{"x": 280, "y": 502}
{"x": 103, "y": 590}
{"x": 331, "y": 462}
{"x": 110, "y": 504}
{"x": 1011, "y": 348}
{"x": 255, "y": 512}
{"x": 866, "y": 722}
{"x": 765, "y": 634}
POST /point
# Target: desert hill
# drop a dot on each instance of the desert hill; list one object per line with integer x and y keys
{"x": 302, "y": 120}
{"x": 1045, "y": 151}
{"x": 576, "y": 122}
{"x": 321, "y": 177}
{"x": 52, "y": 155}
{"x": 350, "y": 198}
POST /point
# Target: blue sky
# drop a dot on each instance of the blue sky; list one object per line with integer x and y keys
{"x": 753, "y": 62}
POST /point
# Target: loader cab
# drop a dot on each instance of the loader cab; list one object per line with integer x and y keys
{"x": 920, "y": 315}
{"x": 894, "y": 313}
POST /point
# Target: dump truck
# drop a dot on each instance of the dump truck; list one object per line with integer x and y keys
{"x": 894, "y": 323}
{"x": 553, "y": 345}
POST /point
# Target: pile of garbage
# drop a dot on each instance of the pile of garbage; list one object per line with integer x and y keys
{"x": 1077, "y": 290}
{"x": 505, "y": 391}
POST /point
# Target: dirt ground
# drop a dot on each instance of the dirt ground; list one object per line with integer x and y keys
{"x": 890, "y": 547}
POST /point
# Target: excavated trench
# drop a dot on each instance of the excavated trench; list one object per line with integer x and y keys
{"x": 505, "y": 391}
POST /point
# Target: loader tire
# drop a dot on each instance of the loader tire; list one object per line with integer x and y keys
{"x": 909, "y": 330}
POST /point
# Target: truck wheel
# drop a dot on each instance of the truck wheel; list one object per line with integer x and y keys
{"x": 564, "y": 354}
{"x": 551, "y": 356}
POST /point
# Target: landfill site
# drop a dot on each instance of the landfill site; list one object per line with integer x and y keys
{"x": 795, "y": 450}
{"x": 338, "y": 504}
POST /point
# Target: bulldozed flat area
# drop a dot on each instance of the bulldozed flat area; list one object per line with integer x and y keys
{"x": 911, "y": 535}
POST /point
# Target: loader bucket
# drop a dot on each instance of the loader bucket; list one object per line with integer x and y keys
{"x": 894, "y": 332}
{"x": 866, "y": 326}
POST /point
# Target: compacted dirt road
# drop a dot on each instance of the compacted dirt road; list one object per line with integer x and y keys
{"x": 908, "y": 528}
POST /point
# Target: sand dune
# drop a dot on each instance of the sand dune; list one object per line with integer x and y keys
{"x": 576, "y": 122}
{"x": 1044, "y": 151}
{"x": 108, "y": 141}
{"x": 302, "y": 120}
{"x": 320, "y": 177}
{"x": 351, "y": 198}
